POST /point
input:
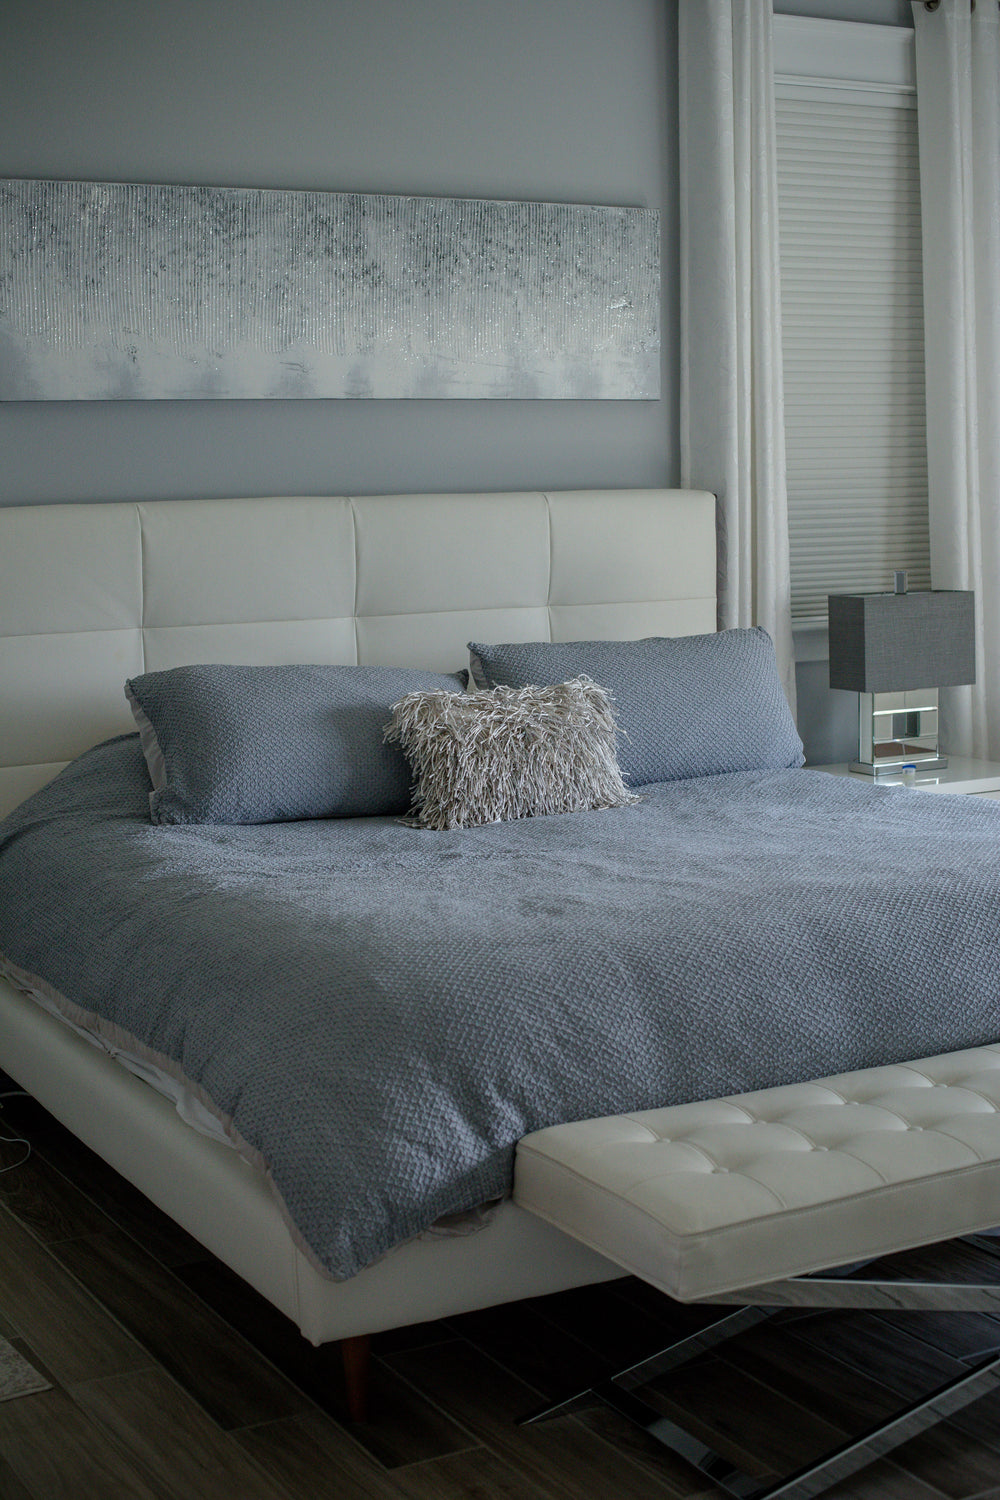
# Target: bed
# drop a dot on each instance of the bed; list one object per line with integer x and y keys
{"x": 95, "y": 595}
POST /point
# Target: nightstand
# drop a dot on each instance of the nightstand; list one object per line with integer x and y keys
{"x": 977, "y": 778}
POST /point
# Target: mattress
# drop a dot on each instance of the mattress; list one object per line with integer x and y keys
{"x": 375, "y": 1014}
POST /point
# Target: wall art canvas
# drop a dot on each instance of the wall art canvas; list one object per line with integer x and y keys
{"x": 113, "y": 291}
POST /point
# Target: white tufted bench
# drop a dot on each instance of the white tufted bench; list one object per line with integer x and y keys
{"x": 735, "y": 1199}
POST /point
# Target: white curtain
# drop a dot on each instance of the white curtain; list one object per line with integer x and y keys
{"x": 958, "y": 116}
{"x": 732, "y": 406}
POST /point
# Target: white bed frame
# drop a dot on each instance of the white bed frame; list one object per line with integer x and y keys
{"x": 93, "y": 594}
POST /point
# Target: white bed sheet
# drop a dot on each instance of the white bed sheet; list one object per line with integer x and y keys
{"x": 187, "y": 1105}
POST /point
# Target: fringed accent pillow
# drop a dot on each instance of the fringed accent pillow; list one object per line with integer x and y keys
{"x": 509, "y": 753}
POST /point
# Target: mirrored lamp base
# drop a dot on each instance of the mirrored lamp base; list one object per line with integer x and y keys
{"x": 897, "y": 730}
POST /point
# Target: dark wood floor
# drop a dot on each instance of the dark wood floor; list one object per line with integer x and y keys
{"x": 172, "y": 1380}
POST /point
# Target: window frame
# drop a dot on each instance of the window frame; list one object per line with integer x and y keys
{"x": 855, "y": 60}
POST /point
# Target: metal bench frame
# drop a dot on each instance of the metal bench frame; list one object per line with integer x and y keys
{"x": 839, "y": 1288}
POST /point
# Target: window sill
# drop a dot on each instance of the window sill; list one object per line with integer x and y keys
{"x": 811, "y": 640}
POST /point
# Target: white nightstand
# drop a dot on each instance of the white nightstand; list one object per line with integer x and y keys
{"x": 977, "y": 778}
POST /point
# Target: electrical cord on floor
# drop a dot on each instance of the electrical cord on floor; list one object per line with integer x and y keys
{"x": 15, "y": 1140}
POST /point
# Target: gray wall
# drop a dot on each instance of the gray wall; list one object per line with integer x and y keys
{"x": 559, "y": 100}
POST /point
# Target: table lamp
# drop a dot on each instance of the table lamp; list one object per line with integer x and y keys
{"x": 896, "y": 650}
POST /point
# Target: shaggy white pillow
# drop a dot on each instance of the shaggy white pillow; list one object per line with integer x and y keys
{"x": 507, "y": 753}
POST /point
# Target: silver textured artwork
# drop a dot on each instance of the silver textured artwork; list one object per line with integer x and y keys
{"x": 114, "y": 291}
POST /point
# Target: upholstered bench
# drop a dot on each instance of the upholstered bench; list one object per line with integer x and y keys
{"x": 745, "y": 1199}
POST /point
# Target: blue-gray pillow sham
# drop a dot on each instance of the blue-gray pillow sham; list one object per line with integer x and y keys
{"x": 236, "y": 744}
{"x": 690, "y": 705}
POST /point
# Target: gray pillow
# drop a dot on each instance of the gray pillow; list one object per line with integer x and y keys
{"x": 508, "y": 753}
{"x": 232, "y": 744}
{"x": 689, "y": 705}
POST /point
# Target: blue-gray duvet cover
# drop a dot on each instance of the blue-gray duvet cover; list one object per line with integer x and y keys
{"x": 382, "y": 1011}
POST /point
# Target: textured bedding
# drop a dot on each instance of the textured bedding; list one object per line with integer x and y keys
{"x": 382, "y": 1011}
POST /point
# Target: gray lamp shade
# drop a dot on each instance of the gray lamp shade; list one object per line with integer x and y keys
{"x": 889, "y": 643}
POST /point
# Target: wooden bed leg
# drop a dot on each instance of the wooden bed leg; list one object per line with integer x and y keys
{"x": 357, "y": 1363}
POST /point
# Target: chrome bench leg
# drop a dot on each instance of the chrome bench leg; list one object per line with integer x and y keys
{"x": 725, "y": 1327}
{"x": 802, "y": 1294}
{"x": 618, "y": 1394}
{"x": 821, "y": 1473}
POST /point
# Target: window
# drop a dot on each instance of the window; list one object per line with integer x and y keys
{"x": 852, "y": 309}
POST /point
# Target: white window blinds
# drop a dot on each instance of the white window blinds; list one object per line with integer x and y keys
{"x": 852, "y": 312}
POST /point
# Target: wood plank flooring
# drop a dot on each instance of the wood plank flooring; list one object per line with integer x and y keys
{"x": 172, "y": 1380}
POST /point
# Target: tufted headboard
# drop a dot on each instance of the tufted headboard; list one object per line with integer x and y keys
{"x": 92, "y": 594}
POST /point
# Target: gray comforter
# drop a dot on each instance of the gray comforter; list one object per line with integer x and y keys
{"x": 383, "y": 1011}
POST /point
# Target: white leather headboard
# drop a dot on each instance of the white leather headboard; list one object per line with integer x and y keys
{"x": 92, "y": 594}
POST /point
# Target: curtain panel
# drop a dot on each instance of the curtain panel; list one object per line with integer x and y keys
{"x": 732, "y": 423}
{"x": 958, "y": 115}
